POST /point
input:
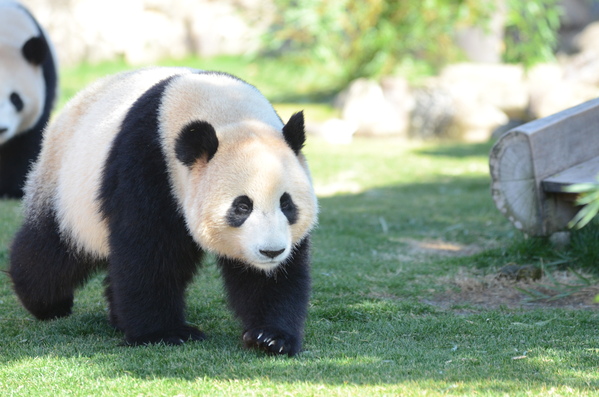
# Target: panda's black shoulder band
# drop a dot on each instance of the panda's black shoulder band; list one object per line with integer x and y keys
{"x": 196, "y": 140}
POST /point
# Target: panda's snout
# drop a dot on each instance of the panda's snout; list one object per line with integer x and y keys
{"x": 3, "y": 130}
{"x": 272, "y": 254}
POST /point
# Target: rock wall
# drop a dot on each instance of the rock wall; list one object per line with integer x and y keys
{"x": 470, "y": 101}
{"x": 143, "y": 31}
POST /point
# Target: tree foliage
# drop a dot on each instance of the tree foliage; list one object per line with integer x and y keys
{"x": 359, "y": 38}
{"x": 531, "y": 31}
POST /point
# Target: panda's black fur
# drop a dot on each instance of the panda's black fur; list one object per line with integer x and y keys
{"x": 17, "y": 154}
{"x": 145, "y": 293}
{"x": 125, "y": 208}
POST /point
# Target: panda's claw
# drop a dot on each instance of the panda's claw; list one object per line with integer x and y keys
{"x": 271, "y": 341}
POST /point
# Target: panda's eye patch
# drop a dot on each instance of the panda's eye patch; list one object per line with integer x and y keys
{"x": 240, "y": 210}
{"x": 17, "y": 102}
{"x": 288, "y": 208}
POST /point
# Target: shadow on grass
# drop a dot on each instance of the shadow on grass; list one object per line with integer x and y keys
{"x": 493, "y": 352}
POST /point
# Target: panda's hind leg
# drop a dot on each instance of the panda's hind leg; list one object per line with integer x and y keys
{"x": 45, "y": 272}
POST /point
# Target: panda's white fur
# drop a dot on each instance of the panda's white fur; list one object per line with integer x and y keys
{"x": 16, "y": 73}
{"x": 252, "y": 159}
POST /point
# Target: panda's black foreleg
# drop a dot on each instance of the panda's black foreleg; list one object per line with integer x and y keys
{"x": 108, "y": 294}
{"x": 45, "y": 272}
{"x": 145, "y": 292}
{"x": 272, "y": 307}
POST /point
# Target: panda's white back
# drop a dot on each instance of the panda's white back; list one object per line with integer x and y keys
{"x": 68, "y": 173}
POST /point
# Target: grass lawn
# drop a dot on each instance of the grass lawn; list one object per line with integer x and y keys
{"x": 406, "y": 299}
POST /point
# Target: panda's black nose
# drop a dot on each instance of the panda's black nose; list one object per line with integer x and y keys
{"x": 3, "y": 130}
{"x": 272, "y": 254}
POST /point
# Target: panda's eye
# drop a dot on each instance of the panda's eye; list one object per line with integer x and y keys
{"x": 288, "y": 208}
{"x": 240, "y": 210}
{"x": 17, "y": 102}
{"x": 285, "y": 202}
{"x": 243, "y": 208}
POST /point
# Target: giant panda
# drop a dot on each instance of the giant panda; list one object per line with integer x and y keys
{"x": 28, "y": 80}
{"x": 142, "y": 173}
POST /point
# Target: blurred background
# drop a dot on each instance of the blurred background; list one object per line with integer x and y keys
{"x": 455, "y": 69}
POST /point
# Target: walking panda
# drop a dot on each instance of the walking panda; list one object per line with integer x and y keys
{"x": 144, "y": 171}
{"x": 28, "y": 81}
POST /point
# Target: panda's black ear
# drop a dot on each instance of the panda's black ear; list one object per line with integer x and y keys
{"x": 196, "y": 140}
{"x": 294, "y": 132}
{"x": 35, "y": 50}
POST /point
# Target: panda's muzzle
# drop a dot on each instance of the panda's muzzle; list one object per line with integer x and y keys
{"x": 3, "y": 130}
{"x": 272, "y": 254}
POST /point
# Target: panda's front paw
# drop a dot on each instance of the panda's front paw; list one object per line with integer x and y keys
{"x": 272, "y": 341}
{"x": 176, "y": 336}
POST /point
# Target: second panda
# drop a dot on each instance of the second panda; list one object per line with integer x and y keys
{"x": 145, "y": 171}
{"x": 28, "y": 89}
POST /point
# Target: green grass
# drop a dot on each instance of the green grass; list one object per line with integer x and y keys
{"x": 373, "y": 327}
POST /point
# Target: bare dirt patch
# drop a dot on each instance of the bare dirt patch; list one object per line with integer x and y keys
{"x": 420, "y": 250}
{"x": 563, "y": 289}
{"x": 469, "y": 287}
{"x": 440, "y": 247}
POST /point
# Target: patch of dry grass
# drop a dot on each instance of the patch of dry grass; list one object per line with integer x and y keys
{"x": 491, "y": 291}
